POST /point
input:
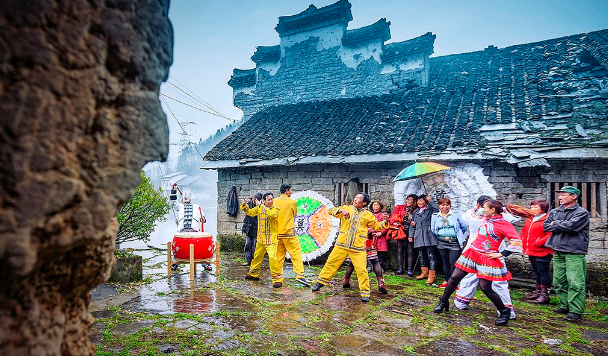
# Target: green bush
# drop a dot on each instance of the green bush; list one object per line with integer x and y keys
{"x": 138, "y": 217}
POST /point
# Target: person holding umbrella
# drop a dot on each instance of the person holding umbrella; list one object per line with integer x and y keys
{"x": 422, "y": 236}
{"x": 425, "y": 238}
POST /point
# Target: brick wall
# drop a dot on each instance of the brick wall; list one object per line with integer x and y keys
{"x": 307, "y": 72}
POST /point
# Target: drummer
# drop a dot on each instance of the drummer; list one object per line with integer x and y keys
{"x": 190, "y": 218}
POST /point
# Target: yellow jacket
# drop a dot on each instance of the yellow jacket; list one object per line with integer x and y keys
{"x": 287, "y": 213}
{"x": 267, "y": 222}
{"x": 353, "y": 231}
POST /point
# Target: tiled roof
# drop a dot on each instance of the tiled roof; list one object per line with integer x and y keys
{"x": 266, "y": 54}
{"x": 396, "y": 50}
{"x": 242, "y": 78}
{"x": 495, "y": 101}
{"x": 379, "y": 30}
{"x": 314, "y": 18}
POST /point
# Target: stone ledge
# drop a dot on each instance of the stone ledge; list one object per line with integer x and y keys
{"x": 127, "y": 269}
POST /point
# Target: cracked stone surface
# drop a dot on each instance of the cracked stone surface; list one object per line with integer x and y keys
{"x": 79, "y": 84}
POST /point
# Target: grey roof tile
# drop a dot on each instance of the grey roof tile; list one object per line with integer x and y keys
{"x": 540, "y": 89}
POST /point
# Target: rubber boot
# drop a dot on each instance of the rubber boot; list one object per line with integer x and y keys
{"x": 424, "y": 274}
{"x": 381, "y": 286}
{"x": 444, "y": 304}
{"x": 346, "y": 282}
{"x": 534, "y": 294}
{"x": 431, "y": 278}
{"x": 503, "y": 318}
{"x": 543, "y": 296}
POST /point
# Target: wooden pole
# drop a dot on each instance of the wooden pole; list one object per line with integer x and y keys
{"x": 169, "y": 262}
{"x": 593, "y": 200}
{"x": 217, "y": 257}
{"x": 191, "y": 262}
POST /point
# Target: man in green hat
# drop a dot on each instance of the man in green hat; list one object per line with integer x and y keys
{"x": 569, "y": 227}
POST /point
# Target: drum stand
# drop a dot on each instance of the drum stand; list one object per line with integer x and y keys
{"x": 192, "y": 261}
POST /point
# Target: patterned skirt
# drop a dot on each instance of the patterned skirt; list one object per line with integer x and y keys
{"x": 492, "y": 269}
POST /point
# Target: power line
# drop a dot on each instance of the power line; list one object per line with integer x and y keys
{"x": 206, "y": 103}
{"x": 197, "y": 108}
{"x": 195, "y": 99}
{"x": 180, "y": 125}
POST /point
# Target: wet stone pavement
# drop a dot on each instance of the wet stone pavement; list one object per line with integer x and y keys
{"x": 227, "y": 315}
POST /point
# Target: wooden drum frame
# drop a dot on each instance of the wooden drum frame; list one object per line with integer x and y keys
{"x": 191, "y": 260}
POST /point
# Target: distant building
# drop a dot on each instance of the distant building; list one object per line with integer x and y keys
{"x": 330, "y": 105}
{"x": 198, "y": 188}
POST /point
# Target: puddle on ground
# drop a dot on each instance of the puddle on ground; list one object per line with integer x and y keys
{"x": 192, "y": 302}
{"x": 290, "y": 320}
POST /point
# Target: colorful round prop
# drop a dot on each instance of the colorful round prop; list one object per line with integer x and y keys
{"x": 463, "y": 184}
{"x": 315, "y": 228}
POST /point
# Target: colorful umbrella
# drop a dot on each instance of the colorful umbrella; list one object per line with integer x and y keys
{"x": 462, "y": 184}
{"x": 315, "y": 228}
{"x": 419, "y": 170}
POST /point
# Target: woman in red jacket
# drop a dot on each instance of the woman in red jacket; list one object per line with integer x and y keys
{"x": 533, "y": 238}
{"x": 400, "y": 223}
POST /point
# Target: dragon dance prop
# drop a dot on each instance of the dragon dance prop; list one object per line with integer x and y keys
{"x": 315, "y": 228}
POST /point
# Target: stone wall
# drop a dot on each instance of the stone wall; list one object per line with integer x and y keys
{"x": 79, "y": 117}
{"x": 309, "y": 71}
{"x": 513, "y": 185}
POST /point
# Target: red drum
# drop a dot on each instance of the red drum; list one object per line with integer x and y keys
{"x": 204, "y": 247}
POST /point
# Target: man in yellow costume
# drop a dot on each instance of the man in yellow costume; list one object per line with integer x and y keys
{"x": 267, "y": 239}
{"x": 355, "y": 221}
{"x": 288, "y": 241}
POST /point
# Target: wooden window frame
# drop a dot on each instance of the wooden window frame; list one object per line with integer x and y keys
{"x": 592, "y": 198}
{"x": 340, "y": 192}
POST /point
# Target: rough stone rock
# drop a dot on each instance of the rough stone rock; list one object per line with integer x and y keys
{"x": 79, "y": 117}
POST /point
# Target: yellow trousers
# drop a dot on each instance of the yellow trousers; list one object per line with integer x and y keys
{"x": 291, "y": 245}
{"x": 335, "y": 260}
{"x": 260, "y": 250}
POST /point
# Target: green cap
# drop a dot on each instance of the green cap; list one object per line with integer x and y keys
{"x": 569, "y": 189}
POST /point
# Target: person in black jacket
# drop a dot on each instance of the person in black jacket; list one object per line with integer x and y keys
{"x": 569, "y": 228}
{"x": 250, "y": 228}
{"x": 424, "y": 239}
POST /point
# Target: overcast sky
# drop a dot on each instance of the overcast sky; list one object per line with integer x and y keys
{"x": 212, "y": 37}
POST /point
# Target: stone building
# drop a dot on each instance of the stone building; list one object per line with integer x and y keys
{"x": 329, "y": 105}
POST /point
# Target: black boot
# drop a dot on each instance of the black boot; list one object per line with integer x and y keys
{"x": 399, "y": 271}
{"x": 444, "y": 304}
{"x": 317, "y": 287}
{"x": 503, "y": 318}
{"x": 410, "y": 273}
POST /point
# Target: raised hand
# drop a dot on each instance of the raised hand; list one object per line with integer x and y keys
{"x": 345, "y": 213}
